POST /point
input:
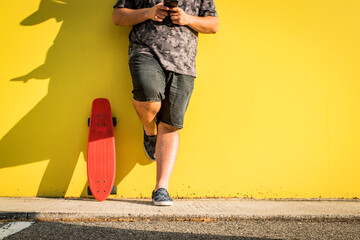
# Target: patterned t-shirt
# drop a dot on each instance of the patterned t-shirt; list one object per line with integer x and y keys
{"x": 174, "y": 46}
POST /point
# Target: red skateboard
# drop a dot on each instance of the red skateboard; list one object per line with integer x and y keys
{"x": 101, "y": 150}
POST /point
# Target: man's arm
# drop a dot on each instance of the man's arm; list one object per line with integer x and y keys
{"x": 206, "y": 24}
{"x": 131, "y": 17}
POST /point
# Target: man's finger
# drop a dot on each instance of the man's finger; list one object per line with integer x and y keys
{"x": 158, "y": 19}
{"x": 162, "y": 7}
{"x": 175, "y": 18}
{"x": 174, "y": 13}
{"x": 175, "y": 9}
{"x": 163, "y": 12}
{"x": 161, "y": 16}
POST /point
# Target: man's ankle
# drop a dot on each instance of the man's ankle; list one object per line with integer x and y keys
{"x": 158, "y": 187}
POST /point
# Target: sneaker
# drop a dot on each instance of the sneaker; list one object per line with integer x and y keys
{"x": 149, "y": 145}
{"x": 161, "y": 197}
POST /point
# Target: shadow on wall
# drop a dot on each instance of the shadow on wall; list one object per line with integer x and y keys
{"x": 87, "y": 60}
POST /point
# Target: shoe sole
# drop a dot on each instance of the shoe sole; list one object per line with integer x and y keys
{"x": 163, "y": 203}
{"x": 148, "y": 155}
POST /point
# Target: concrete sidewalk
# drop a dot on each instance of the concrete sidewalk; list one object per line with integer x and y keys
{"x": 53, "y": 209}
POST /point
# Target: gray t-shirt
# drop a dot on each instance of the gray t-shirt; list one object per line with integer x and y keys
{"x": 174, "y": 46}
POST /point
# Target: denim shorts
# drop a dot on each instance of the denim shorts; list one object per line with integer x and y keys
{"x": 152, "y": 83}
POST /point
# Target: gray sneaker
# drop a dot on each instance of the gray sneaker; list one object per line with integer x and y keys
{"x": 149, "y": 145}
{"x": 161, "y": 197}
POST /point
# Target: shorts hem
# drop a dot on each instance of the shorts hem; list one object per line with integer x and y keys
{"x": 147, "y": 99}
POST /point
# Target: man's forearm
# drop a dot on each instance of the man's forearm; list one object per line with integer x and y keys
{"x": 130, "y": 17}
{"x": 204, "y": 24}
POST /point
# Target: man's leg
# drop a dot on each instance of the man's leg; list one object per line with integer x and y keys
{"x": 167, "y": 146}
{"x": 171, "y": 116}
{"x": 147, "y": 112}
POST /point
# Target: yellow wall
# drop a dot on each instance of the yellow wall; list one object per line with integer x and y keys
{"x": 275, "y": 111}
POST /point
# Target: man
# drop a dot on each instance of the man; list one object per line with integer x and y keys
{"x": 162, "y": 52}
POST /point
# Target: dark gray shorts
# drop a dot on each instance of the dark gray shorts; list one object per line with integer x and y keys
{"x": 153, "y": 83}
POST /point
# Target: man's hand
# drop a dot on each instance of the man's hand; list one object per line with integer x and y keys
{"x": 206, "y": 24}
{"x": 158, "y": 12}
{"x": 179, "y": 16}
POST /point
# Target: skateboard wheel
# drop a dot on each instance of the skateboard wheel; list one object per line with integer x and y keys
{"x": 114, "y": 190}
{"x": 89, "y": 191}
{"x": 114, "y": 121}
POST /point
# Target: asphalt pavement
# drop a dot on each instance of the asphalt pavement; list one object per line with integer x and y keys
{"x": 187, "y": 230}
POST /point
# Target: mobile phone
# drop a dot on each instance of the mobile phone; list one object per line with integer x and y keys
{"x": 171, "y": 3}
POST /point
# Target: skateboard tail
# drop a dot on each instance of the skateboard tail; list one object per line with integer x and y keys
{"x": 101, "y": 167}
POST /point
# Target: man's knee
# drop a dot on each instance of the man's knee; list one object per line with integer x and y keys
{"x": 153, "y": 106}
{"x": 167, "y": 127}
{"x": 146, "y": 110}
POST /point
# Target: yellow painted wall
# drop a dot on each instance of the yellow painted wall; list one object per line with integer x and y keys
{"x": 275, "y": 111}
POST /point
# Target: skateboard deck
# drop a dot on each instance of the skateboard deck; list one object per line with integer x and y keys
{"x": 101, "y": 159}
